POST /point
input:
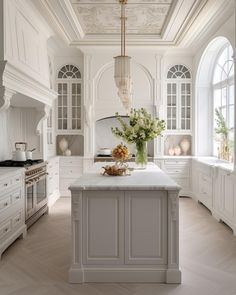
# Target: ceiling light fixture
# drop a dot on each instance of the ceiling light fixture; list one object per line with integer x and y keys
{"x": 122, "y": 66}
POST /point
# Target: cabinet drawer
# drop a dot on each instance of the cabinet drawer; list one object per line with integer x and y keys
{"x": 176, "y": 162}
{"x": 71, "y": 161}
{"x": 7, "y": 183}
{"x": 70, "y": 172}
{"x": 5, "y": 203}
{"x": 5, "y": 228}
{"x": 16, "y": 196}
{"x": 177, "y": 171}
{"x": 17, "y": 219}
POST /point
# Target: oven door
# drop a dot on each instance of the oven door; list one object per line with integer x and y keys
{"x": 41, "y": 192}
{"x": 29, "y": 199}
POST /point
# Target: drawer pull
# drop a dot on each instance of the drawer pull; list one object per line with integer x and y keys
{"x": 17, "y": 197}
{"x": 5, "y": 204}
{"x": 5, "y": 184}
{"x": 18, "y": 219}
{"x": 6, "y": 229}
{"x": 17, "y": 179}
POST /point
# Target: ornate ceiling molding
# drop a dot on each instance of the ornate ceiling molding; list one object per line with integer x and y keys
{"x": 149, "y": 22}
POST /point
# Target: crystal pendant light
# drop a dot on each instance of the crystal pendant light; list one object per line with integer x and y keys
{"x": 122, "y": 67}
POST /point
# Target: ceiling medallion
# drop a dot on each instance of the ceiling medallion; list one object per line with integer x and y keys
{"x": 122, "y": 66}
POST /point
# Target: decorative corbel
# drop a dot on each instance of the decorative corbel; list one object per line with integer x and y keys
{"x": 5, "y": 97}
{"x": 42, "y": 115}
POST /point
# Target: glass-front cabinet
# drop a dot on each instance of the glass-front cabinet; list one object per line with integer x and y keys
{"x": 69, "y": 87}
{"x": 178, "y": 107}
{"x": 177, "y": 138}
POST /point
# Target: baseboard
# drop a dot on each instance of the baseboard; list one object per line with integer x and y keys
{"x": 124, "y": 276}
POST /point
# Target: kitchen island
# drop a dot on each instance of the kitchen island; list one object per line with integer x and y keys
{"x": 125, "y": 228}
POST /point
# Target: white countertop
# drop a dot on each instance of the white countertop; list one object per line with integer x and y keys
{"x": 151, "y": 178}
{"x": 5, "y": 171}
{"x": 215, "y": 162}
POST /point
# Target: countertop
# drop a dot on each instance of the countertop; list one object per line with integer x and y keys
{"x": 151, "y": 178}
{"x": 215, "y": 162}
{"x": 5, "y": 171}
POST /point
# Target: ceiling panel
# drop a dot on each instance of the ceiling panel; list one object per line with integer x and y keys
{"x": 103, "y": 16}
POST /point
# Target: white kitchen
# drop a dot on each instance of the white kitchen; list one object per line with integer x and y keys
{"x": 88, "y": 205}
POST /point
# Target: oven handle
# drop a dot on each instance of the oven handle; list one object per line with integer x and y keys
{"x": 34, "y": 180}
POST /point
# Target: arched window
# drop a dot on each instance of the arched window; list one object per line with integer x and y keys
{"x": 69, "y": 72}
{"x": 178, "y": 98}
{"x": 69, "y": 87}
{"x": 178, "y": 71}
{"x": 223, "y": 101}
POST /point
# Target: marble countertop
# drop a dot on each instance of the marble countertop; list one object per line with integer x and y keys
{"x": 151, "y": 178}
{"x": 5, "y": 171}
{"x": 215, "y": 162}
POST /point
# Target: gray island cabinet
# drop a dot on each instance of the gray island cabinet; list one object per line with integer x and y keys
{"x": 125, "y": 228}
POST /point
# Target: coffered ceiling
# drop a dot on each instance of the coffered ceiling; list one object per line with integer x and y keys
{"x": 149, "y": 22}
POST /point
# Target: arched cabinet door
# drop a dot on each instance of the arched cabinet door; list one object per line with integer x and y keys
{"x": 179, "y": 98}
{"x": 69, "y": 103}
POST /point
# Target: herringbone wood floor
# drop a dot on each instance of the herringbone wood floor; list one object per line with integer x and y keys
{"x": 38, "y": 265}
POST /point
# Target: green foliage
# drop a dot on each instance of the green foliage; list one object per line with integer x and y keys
{"x": 221, "y": 129}
{"x": 141, "y": 127}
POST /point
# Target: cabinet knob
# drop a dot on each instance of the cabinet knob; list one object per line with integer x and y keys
{"x": 5, "y": 184}
{"x": 5, "y": 204}
{"x": 6, "y": 230}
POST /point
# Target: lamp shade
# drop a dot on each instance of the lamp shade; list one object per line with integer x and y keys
{"x": 123, "y": 80}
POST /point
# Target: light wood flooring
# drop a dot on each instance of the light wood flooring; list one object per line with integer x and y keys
{"x": 39, "y": 264}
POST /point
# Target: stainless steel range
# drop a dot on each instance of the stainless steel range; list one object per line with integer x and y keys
{"x": 35, "y": 192}
{"x": 35, "y": 187}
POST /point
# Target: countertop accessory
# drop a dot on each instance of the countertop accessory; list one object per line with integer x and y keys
{"x": 63, "y": 145}
{"x": 20, "y": 153}
{"x": 115, "y": 170}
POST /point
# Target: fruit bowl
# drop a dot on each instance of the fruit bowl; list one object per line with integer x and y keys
{"x": 121, "y": 153}
{"x": 115, "y": 170}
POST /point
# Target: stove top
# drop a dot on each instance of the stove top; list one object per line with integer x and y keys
{"x": 12, "y": 163}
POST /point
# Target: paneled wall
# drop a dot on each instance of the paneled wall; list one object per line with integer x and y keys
{"x": 25, "y": 40}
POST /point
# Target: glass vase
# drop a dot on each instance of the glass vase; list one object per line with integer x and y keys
{"x": 141, "y": 155}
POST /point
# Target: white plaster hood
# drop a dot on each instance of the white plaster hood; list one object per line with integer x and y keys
{"x": 24, "y": 66}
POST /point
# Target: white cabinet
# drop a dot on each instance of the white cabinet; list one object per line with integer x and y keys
{"x": 224, "y": 202}
{"x": 180, "y": 170}
{"x": 202, "y": 183}
{"x": 124, "y": 228}
{"x": 12, "y": 207}
{"x": 178, "y": 102}
{"x": 53, "y": 180}
{"x": 71, "y": 168}
{"x": 69, "y": 103}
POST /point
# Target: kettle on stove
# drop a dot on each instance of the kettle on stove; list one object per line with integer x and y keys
{"x": 20, "y": 153}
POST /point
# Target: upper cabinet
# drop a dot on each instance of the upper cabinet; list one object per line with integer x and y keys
{"x": 178, "y": 101}
{"x": 69, "y": 103}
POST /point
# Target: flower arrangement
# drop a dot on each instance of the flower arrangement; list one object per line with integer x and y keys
{"x": 141, "y": 127}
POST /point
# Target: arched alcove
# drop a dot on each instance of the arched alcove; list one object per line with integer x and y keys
{"x": 204, "y": 97}
{"x": 107, "y": 102}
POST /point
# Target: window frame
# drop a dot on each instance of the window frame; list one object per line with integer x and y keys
{"x": 226, "y": 83}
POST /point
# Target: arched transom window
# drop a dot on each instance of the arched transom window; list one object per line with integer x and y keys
{"x": 178, "y": 71}
{"x": 178, "y": 98}
{"x": 69, "y": 72}
{"x": 223, "y": 98}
